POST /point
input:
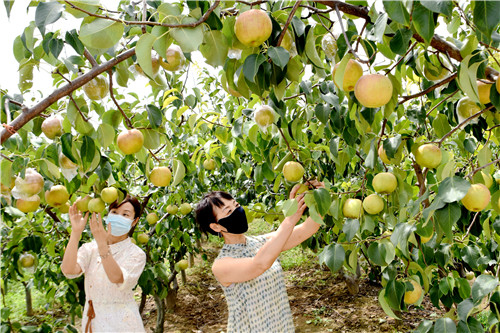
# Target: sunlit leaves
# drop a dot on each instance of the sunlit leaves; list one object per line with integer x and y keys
{"x": 47, "y": 13}
{"x": 101, "y": 33}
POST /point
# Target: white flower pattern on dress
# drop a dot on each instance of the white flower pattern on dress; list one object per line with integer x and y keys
{"x": 259, "y": 305}
{"x": 115, "y": 307}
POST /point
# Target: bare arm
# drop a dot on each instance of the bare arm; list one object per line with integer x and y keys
{"x": 69, "y": 265}
{"x": 300, "y": 233}
{"x": 111, "y": 267}
{"x": 232, "y": 270}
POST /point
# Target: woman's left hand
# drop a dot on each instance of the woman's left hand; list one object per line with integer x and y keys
{"x": 315, "y": 183}
{"x": 100, "y": 234}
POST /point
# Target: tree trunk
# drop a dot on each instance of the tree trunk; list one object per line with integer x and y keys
{"x": 172, "y": 296}
{"x": 29, "y": 302}
{"x": 183, "y": 277}
{"x": 160, "y": 316}
{"x": 191, "y": 260}
{"x": 143, "y": 302}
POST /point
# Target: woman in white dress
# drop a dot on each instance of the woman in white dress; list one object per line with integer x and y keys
{"x": 247, "y": 267}
{"x": 112, "y": 265}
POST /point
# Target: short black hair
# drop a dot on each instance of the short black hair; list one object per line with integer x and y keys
{"x": 205, "y": 210}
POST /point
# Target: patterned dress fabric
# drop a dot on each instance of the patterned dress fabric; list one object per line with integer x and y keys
{"x": 259, "y": 305}
{"x": 115, "y": 307}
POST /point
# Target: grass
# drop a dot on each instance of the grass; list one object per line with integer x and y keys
{"x": 55, "y": 314}
{"x": 16, "y": 301}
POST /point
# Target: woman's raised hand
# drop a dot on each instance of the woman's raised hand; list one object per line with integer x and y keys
{"x": 78, "y": 221}
{"x": 314, "y": 183}
{"x": 100, "y": 234}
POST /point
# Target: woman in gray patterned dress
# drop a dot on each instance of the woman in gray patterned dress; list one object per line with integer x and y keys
{"x": 247, "y": 267}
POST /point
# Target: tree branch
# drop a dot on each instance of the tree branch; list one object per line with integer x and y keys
{"x": 473, "y": 172}
{"x": 90, "y": 58}
{"x": 462, "y": 123}
{"x": 437, "y": 42}
{"x": 57, "y": 94}
{"x": 285, "y": 27}
{"x": 127, "y": 119}
{"x": 428, "y": 90}
{"x": 182, "y": 25}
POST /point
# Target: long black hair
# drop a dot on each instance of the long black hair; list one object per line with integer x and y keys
{"x": 205, "y": 210}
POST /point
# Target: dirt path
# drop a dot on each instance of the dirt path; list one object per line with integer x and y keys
{"x": 319, "y": 301}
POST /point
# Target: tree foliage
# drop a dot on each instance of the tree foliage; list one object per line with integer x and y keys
{"x": 317, "y": 123}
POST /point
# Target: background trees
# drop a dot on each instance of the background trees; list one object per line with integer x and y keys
{"x": 416, "y": 152}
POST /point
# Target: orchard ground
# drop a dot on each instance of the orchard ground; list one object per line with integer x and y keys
{"x": 319, "y": 300}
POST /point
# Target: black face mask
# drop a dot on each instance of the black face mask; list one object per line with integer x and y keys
{"x": 236, "y": 223}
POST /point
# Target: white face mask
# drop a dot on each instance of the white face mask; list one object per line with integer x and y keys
{"x": 120, "y": 225}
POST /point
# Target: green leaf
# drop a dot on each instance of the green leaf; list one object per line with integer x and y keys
{"x": 447, "y": 217}
{"x": 279, "y": 56}
{"x": 67, "y": 145}
{"x": 453, "y": 189}
{"x": 72, "y": 39}
{"x": 394, "y": 291}
{"x": 290, "y": 207}
{"x": 486, "y": 17}
{"x": 424, "y": 326}
{"x": 155, "y": 115}
{"x": 423, "y": 21}
{"x": 188, "y": 38}
{"x": 464, "y": 308}
{"x": 251, "y": 66}
{"x": 444, "y": 7}
{"x": 56, "y": 45}
{"x": 143, "y": 53}
{"x": 471, "y": 255}
{"x": 214, "y": 48}
{"x": 483, "y": 285}
{"x": 179, "y": 171}
{"x": 163, "y": 40}
{"x": 101, "y": 33}
{"x": 385, "y": 306}
{"x": 391, "y": 145}
{"x": 441, "y": 125}
{"x": 371, "y": 158}
{"x": 322, "y": 112}
{"x": 467, "y": 78}
{"x": 105, "y": 135}
{"x": 397, "y": 11}
{"x": 400, "y": 235}
{"x": 47, "y": 13}
{"x": 8, "y": 6}
{"x": 87, "y": 151}
{"x": 377, "y": 253}
{"x": 6, "y": 172}
{"x": 151, "y": 139}
{"x": 350, "y": 228}
{"x": 400, "y": 42}
{"x": 379, "y": 28}
{"x": 445, "y": 325}
{"x": 333, "y": 256}
{"x": 311, "y": 52}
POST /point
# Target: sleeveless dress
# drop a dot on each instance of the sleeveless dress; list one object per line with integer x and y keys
{"x": 114, "y": 305}
{"x": 259, "y": 305}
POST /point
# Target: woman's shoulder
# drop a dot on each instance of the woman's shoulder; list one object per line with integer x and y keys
{"x": 136, "y": 250}
{"x": 261, "y": 239}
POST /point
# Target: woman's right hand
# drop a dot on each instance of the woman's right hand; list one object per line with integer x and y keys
{"x": 78, "y": 221}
